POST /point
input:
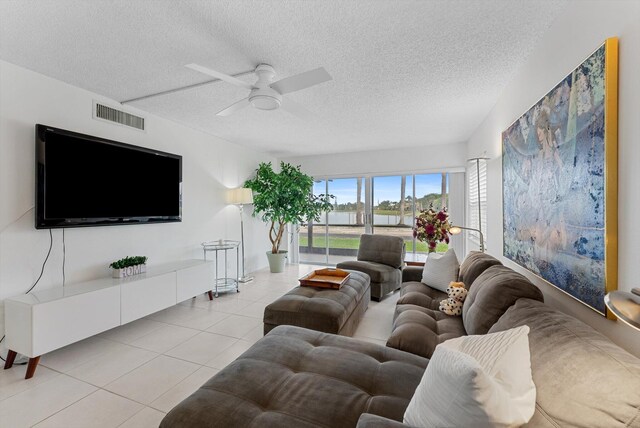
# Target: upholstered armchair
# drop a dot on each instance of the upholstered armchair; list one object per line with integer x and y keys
{"x": 381, "y": 257}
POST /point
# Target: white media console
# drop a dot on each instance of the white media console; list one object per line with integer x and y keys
{"x": 46, "y": 320}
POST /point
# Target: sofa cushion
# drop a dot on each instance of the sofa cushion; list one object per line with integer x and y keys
{"x": 476, "y": 381}
{"x": 416, "y": 293}
{"x": 388, "y": 250}
{"x": 294, "y": 377}
{"x": 491, "y": 294}
{"x": 367, "y": 420}
{"x": 377, "y": 272}
{"x": 440, "y": 270}
{"x": 473, "y": 265}
{"x": 419, "y": 330}
{"x": 582, "y": 378}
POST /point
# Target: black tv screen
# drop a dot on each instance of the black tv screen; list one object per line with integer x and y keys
{"x": 90, "y": 181}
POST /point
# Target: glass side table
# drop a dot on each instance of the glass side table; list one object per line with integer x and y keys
{"x": 415, "y": 259}
{"x": 224, "y": 284}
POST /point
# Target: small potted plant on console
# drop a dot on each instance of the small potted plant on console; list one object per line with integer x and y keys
{"x": 128, "y": 266}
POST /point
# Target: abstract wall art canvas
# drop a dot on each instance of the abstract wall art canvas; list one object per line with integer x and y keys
{"x": 559, "y": 171}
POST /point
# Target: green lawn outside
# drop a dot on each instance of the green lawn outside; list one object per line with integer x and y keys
{"x": 334, "y": 242}
{"x": 352, "y": 243}
{"x": 390, "y": 212}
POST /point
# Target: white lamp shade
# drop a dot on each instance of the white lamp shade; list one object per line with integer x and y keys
{"x": 240, "y": 196}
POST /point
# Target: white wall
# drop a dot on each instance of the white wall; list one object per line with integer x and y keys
{"x": 435, "y": 158}
{"x": 582, "y": 27}
{"x": 210, "y": 165}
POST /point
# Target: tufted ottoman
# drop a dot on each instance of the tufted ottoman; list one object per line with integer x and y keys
{"x": 295, "y": 377}
{"x": 320, "y": 309}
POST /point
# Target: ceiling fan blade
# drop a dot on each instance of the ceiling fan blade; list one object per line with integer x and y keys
{"x": 234, "y": 107}
{"x": 301, "y": 81}
{"x": 221, "y": 76}
{"x": 296, "y": 109}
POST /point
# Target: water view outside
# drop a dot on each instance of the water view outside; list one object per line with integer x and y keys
{"x": 394, "y": 202}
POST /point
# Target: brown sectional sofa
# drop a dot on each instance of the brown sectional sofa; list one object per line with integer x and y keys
{"x": 295, "y": 377}
{"x": 419, "y": 326}
{"x": 416, "y": 293}
{"x": 582, "y": 379}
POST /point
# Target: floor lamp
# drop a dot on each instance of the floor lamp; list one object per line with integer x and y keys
{"x": 241, "y": 197}
{"x": 454, "y": 230}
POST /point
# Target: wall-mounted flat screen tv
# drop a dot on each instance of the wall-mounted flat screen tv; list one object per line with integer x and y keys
{"x": 83, "y": 180}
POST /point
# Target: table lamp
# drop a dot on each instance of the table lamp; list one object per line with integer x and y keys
{"x": 454, "y": 230}
{"x": 240, "y": 197}
{"x": 625, "y": 306}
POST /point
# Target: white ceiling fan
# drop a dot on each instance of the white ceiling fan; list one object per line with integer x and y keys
{"x": 266, "y": 94}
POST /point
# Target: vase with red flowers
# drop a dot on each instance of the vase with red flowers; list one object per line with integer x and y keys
{"x": 432, "y": 227}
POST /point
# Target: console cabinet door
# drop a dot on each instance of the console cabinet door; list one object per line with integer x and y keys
{"x": 61, "y": 322}
{"x": 195, "y": 280}
{"x": 146, "y": 296}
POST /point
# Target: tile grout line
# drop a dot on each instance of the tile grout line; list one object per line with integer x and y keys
{"x": 138, "y": 412}
{"x": 102, "y": 387}
{"x": 34, "y": 385}
{"x": 172, "y": 386}
{"x": 203, "y": 365}
{"x": 71, "y": 404}
{"x": 150, "y": 405}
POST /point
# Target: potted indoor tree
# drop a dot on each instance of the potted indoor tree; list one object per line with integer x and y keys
{"x": 284, "y": 197}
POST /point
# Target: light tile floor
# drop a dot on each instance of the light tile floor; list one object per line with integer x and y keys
{"x": 132, "y": 375}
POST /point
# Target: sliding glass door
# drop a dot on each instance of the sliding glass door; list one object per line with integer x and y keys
{"x": 337, "y": 235}
{"x": 396, "y": 200}
{"x": 312, "y": 235}
{"x": 392, "y": 206}
{"x": 385, "y": 205}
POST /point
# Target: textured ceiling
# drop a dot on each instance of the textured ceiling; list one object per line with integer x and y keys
{"x": 406, "y": 73}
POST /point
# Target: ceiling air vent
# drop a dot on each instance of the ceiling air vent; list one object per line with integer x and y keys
{"x": 104, "y": 112}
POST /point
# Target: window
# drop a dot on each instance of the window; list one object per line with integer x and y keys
{"x": 377, "y": 204}
{"x": 477, "y": 191}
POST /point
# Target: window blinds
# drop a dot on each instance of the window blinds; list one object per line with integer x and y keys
{"x": 477, "y": 191}
{"x": 457, "y": 209}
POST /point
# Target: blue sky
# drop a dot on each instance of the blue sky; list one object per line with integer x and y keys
{"x": 385, "y": 188}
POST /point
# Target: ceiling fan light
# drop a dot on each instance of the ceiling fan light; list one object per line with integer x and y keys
{"x": 265, "y": 102}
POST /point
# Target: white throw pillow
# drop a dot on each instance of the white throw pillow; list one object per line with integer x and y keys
{"x": 476, "y": 381}
{"x": 440, "y": 270}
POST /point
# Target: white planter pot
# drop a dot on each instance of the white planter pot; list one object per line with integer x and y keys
{"x": 128, "y": 271}
{"x": 276, "y": 261}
